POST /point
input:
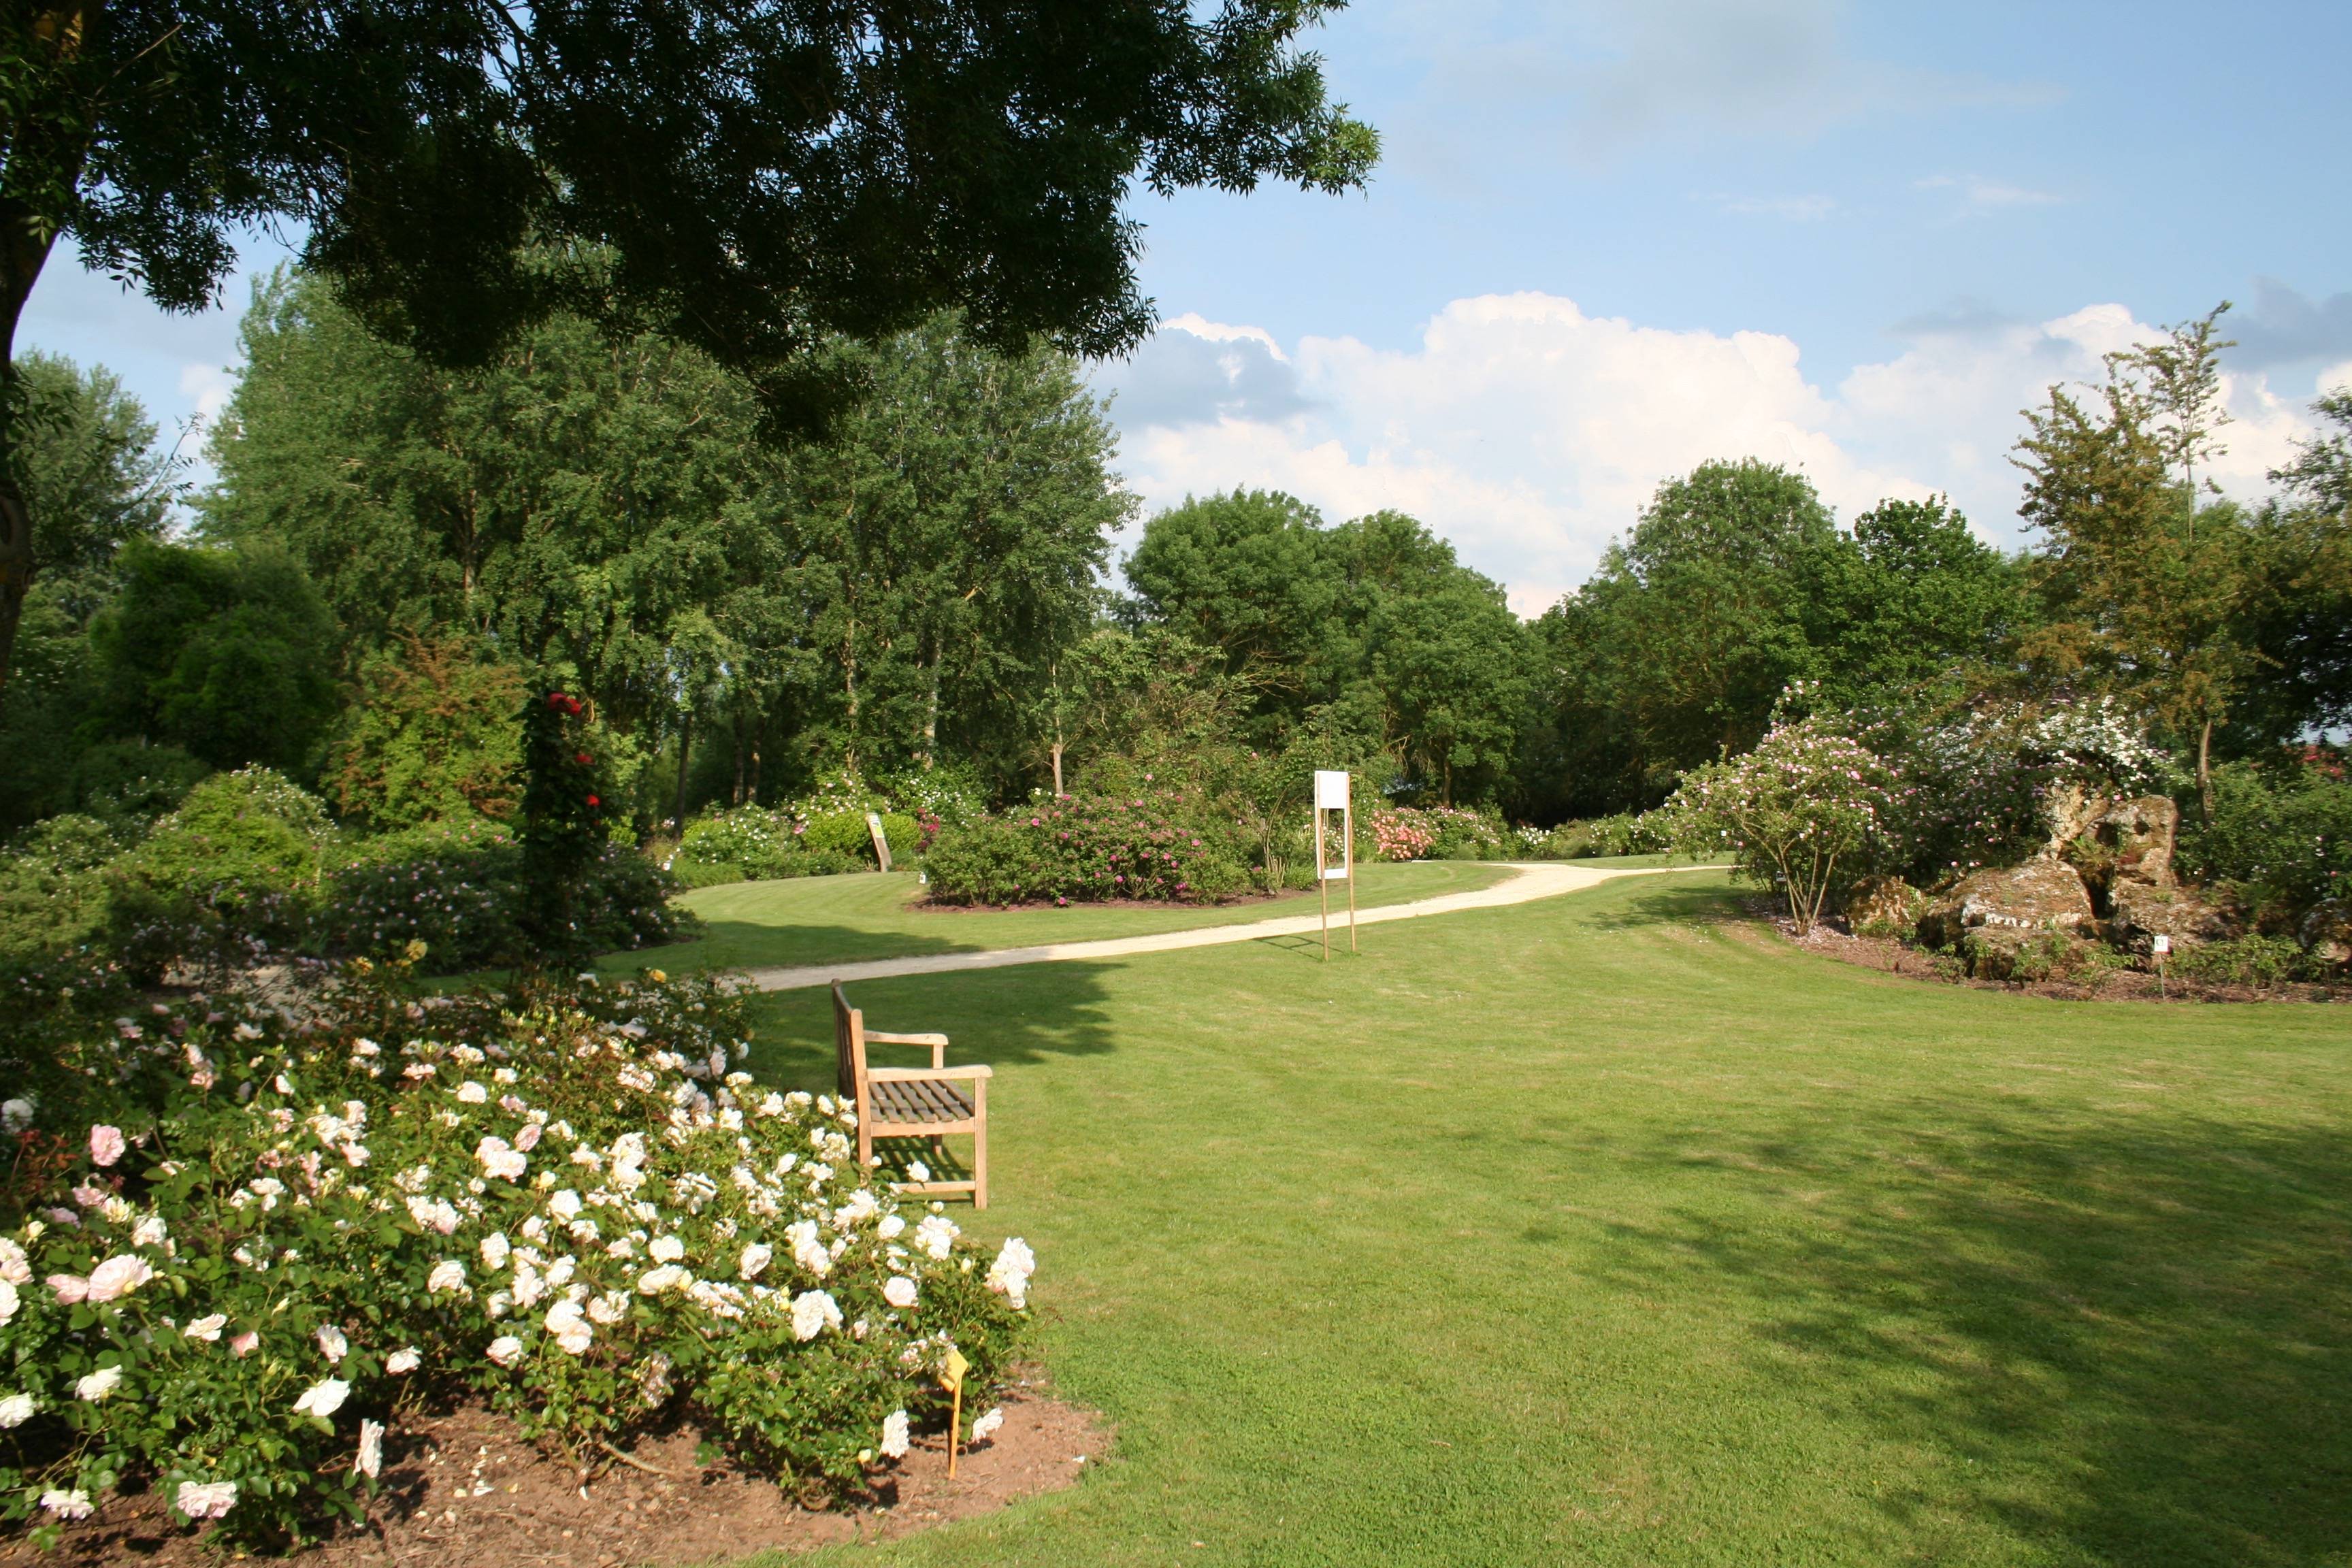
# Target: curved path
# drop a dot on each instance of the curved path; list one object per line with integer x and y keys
{"x": 1542, "y": 879}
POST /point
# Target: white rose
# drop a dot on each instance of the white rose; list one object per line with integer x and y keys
{"x": 206, "y": 1500}
{"x": 447, "y": 1275}
{"x": 15, "y": 1409}
{"x": 814, "y": 1311}
{"x": 98, "y": 1383}
{"x": 8, "y": 1303}
{"x": 400, "y": 1362}
{"x": 323, "y": 1398}
{"x": 750, "y": 1266}
{"x": 206, "y": 1328}
{"x": 495, "y": 1249}
{"x": 893, "y": 1436}
{"x": 899, "y": 1292}
{"x": 985, "y": 1427}
{"x": 667, "y": 1249}
{"x": 506, "y": 1349}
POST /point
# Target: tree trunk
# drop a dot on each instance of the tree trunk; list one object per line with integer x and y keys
{"x": 735, "y": 797}
{"x": 931, "y": 719}
{"x": 755, "y": 768}
{"x": 685, "y": 743}
{"x": 2205, "y": 770}
{"x": 1057, "y": 767}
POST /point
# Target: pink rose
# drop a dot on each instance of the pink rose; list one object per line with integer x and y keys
{"x": 71, "y": 1287}
{"x": 118, "y": 1275}
{"x": 246, "y": 1343}
{"x": 106, "y": 1145}
{"x": 527, "y": 1139}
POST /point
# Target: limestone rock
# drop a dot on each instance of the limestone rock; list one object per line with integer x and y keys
{"x": 2044, "y": 894}
{"x": 2141, "y": 836}
{"x": 2141, "y": 912}
{"x": 1881, "y": 906}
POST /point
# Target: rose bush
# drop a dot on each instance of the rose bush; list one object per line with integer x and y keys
{"x": 570, "y": 1203}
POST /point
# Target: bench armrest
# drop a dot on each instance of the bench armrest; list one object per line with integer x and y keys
{"x": 920, "y": 1075}
{"x": 939, "y": 1043}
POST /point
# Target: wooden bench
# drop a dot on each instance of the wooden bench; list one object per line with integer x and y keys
{"x": 911, "y": 1102}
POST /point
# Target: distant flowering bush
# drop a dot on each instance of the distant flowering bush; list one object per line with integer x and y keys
{"x": 1801, "y": 812}
{"x": 1438, "y": 832}
{"x": 1074, "y": 849}
{"x": 570, "y": 1203}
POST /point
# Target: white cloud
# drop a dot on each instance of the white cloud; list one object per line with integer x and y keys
{"x": 1980, "y": 194}
{"x": 1529, "y": 432}
{"x": 1796, "y": 209}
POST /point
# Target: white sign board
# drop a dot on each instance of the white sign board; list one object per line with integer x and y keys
{"x": 2163, "y": 945}
{"x": 1330, "y": 790}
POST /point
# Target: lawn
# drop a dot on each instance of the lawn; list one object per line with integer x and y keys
{"x": 1608, "y": 1230}
{"x": 845, "y": 919}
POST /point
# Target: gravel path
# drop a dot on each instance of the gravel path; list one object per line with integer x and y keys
{"x": 1533, "y": 881}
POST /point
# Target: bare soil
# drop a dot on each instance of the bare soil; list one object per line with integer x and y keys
{"x": 1892, "y": 955}
{"x": 465, "y": 1490}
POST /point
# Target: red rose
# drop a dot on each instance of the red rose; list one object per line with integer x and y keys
{"x": 583, "y": 759}
{"x": 594, "y": 801}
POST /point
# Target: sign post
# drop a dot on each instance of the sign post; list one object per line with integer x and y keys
{"x": 951, "y": 1376}
{"x": 881, "y": 839}
{"x": 2163, "y": 945}
{"x": 1332, "y": 793}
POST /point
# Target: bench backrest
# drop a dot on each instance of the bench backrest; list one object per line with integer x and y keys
{"x": 849, "y": 1049}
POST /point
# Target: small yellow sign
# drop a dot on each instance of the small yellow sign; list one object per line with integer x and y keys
{"x": 951, "y": 1375}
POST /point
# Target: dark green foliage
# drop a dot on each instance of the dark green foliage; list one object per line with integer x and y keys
{"x": 1734, "y": 584}
{"x": 226, "y": 654}
{"x": 1372, "y": 628}
{"x": 95, "y": 477}
{"x": 2285, "y": 831}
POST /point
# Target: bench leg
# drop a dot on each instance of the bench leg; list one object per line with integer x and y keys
{"x": 979, "y": 1145}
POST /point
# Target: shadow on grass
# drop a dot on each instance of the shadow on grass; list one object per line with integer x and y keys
{"x": 1669, "y": 904}
{"x": 2159, "y": 1319}
{"x": 1024, "y": 1014}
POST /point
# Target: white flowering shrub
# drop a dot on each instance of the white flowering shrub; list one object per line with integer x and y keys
{"x": 571, "y": 1204}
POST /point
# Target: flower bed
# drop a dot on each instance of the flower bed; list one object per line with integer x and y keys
{"x": 571, "y": 1204}
{"x": 1438, "y": 832}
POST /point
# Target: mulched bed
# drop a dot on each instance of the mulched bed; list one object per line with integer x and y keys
{"x": 1890, "y": 955}
{"x": 464, "y": 1489}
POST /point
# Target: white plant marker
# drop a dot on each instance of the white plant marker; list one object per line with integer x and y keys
{"x": 881, "y": 839}
{"x": 1332, "y": 793}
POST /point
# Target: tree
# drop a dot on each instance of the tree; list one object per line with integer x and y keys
{"x": 2136, "y": 599}
{"x": 956, "y": 521}
{"x": 2179, "y": 376}
{"x": 1680, "y": 644}
{"x": 227, "y": 654}
{"x": 2296, "y": 614}
{"x": 749, "y": 179}
{"x": 1252, "y": 576}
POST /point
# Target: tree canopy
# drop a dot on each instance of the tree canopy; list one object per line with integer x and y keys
{"x": 751, "y": 179}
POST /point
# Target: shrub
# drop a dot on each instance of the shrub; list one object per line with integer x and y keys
{"x": 52, "y": 895}
{"x": 2255, "y": 961}
{"x": 1402, "y": 833}
{"x": 230, "y": 875}
{"x": 128, "y": 786}
{"x": 453, "y": 887}
{"x": 565, "y": 1202}
{"x": 844, "y": 835}
{"x": 1800, "y": 812}
{"x": 751, "y": 843}
{"x": 1079, "y": 849}
{"x": 1625, "y": 833}
{"x": 433, "y": 738}
{"x": 2285, "y": 833}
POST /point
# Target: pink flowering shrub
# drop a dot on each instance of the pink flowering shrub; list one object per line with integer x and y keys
{"x": 1437, "y": 833}
{"x": 571, "y": 1204}
{"x": 1801, "y": 814}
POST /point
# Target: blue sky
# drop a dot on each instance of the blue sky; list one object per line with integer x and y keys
{"x": 1610, "y": 240}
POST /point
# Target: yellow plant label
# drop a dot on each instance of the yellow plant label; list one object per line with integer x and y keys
{"x": 951, "y": 1375}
